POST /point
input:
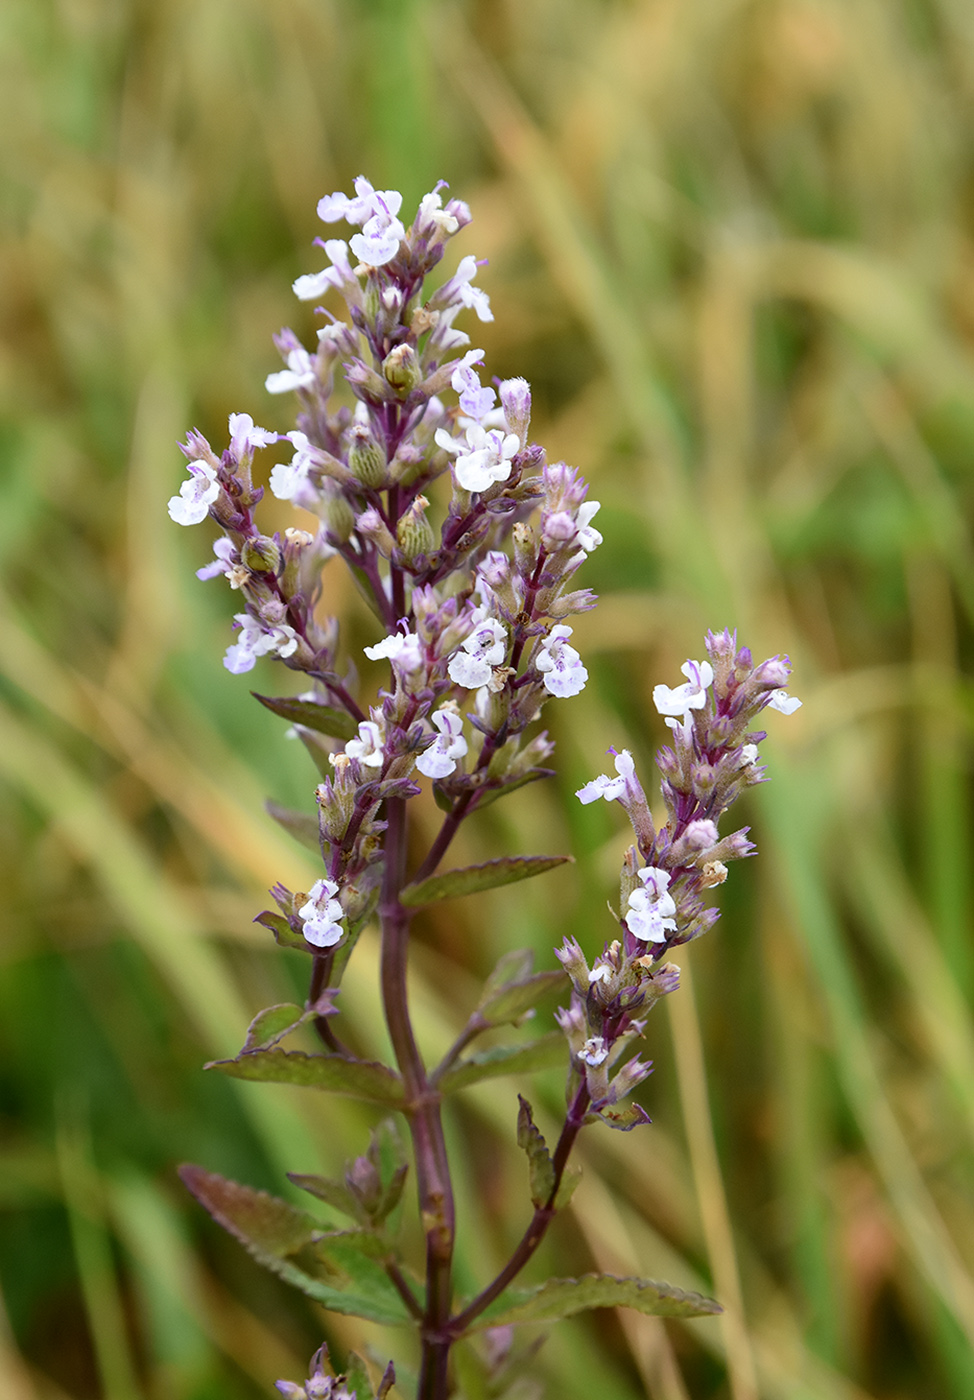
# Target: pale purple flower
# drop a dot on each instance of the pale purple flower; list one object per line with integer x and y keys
{"x": 684, "y": 698}
{"x": 378, "y": 243}
{"x": 440, "y": 759}
{"x": 516, "y": 401}
{"x": 358, "y": 209}
{"x": 433, "y": 219}
{"x": 300, "y": 373}
{"x": 254, "y": 640}
{"x": 560, "y": 664}
{"x": 475, "y": 400}
{"x": 652, "y": 908}
{"x": 367, "y": 748}
{"x": 289, "y": 480}
{"x": 595, "y": 1051}
{"x": 469, "y": 295}
{"x": 244, "y": 436}
{"x": 315, "y": 284}
{"x": 223, "y": 563}
{"x": 322, "y": 915}
{"x": 479, "y": 653}
{"x": 609, "y": 788}
{"x": 196, "y": 495}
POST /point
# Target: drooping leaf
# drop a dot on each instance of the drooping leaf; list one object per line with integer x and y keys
{"x": 471, "y": 879}
{"x": 323, "y": 719}
{"x": 531, "y": 1140}
{"x": 301, "y": 825}
{"x": 544, "y": 1053}
{"x": 356, "y": 1079}
{"x": 277, "y": 1234}
{"x": 562, "y": 1297}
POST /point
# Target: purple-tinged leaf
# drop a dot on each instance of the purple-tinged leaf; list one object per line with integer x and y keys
{"x": 323, "y": 719}
{"x": 301, "y": 825}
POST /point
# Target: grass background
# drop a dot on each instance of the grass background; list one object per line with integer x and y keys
{"x": 731, "y": 243}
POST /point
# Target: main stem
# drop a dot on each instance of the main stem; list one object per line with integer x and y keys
{"x": 423, "y": 1111}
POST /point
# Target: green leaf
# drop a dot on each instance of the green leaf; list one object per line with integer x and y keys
{"x": 356, "y": 1079}
{"x": 491, "y": 794}
{"x": 471, "y": 879}
{"x": 275, "y": 1232}
{"x": 512, "y": 989}
{"x": 570, "y": 1178}
{"x": 530, "y": 1139}
{"x": 282, "y": 931}
{"x": 272, "y": 1025}
{"x": 334, "y": 1193}
{"x": 301, "y": 825}
{"x": 337, "y": 724}
{"x": 563, "y": 1297}
{"x": 543, "y": 1053}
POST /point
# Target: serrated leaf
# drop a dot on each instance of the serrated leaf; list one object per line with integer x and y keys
{"x": 271, "y": 1025}
{"x": 334, "y": 1193}
{"x": 563, "y": 1297}
{"x": 543, "y": 1053}
{"x": 356, "y": 1079}
{"x": 273, "y": 1231}
{"x": 357, "y": 1380}
{"x": 471, "y": 879}
{"x": 512, "y": 967}
{"x": 531, "y": 1141}
{"x": 301, "y": 825}
{"x": 323, "y": 719}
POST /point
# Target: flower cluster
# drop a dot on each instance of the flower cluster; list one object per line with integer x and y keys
{"x": 713, "y": 758}
{"x": 474, "y": 604}
{"x": 322, "y": 1385}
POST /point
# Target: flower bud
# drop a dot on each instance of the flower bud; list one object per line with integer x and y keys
{"x": 366, "y": 457}
{"x": 365, "y": 1184}
{"x": 402, "y": 369}
{"x": 371, "y": 525}
{"x": 414, "y": 533}
{"x": 524, "y": 549}
{"x": 337, "y": 514}
{"x": 516, "y": 401}
{"x": 261, "y": 555}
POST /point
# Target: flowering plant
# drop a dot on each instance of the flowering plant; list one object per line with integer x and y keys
{"x": 473, "y": 609}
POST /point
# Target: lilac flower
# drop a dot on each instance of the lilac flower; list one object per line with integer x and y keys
{"x": 255, "y": 640}
{"x": 475, "y": 400}
{"x": 300, "y": 373}
{"x": 595, "y": 1051}
{"x": 340, "y": 275}
{"x": 365, "y": 204}
{"x": 652, "y": 908}
{"x": 610, "y": 788}
{"x": 289, "y": 480}
{"x": 685, "y": 698}
{"x": 468, "y": 294}
{"x": 223, "y": 563}
{"x": 440, "y": 759}
{"x": 196, "y": 495}
{"x": 367, "y": 748}
{"x": 322, "y": 915}
{"x": 560, "y": 664}
{"x": 479, "y": 653}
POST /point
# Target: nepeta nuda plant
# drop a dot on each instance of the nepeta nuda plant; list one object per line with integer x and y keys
{"x": 466, "y": 543}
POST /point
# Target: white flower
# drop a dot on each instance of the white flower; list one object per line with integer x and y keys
{"x": 367, "y": 748}
{"x": 594, "y": 1052}
{"x": 440, "y": 758}
{"x": 223, "y": 563}
{"x": 300, "y": 373}
{"x": 322, "y": 915}
{"x": 609, "y": 788}
{"x": 403, "y": 649}
{"x": 469, "y": 294}
{"x": 783, "y": 702}
{"x": 196, "y": 495}
{"x": 684, "y": 698}
{"x": 378, "y": 243}
{"x": 315, "y": 284}
{"x": 749, "y": 755}
{"x": 652, "y": 908}
{"x": 475, "y": 400}
{"x": 244, "y": 436}
{"x": 289, "y": 480}
{"x": 484, "y": 649}
{"x": 487, "y": 457}
{"x": 255, "y": 640}
{"x": 587, "y": 538}
{"x": 516, "y": 400}
{"x": 561, "y": 664}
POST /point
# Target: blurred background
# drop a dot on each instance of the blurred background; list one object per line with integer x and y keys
{"x": 731, "y": 243}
